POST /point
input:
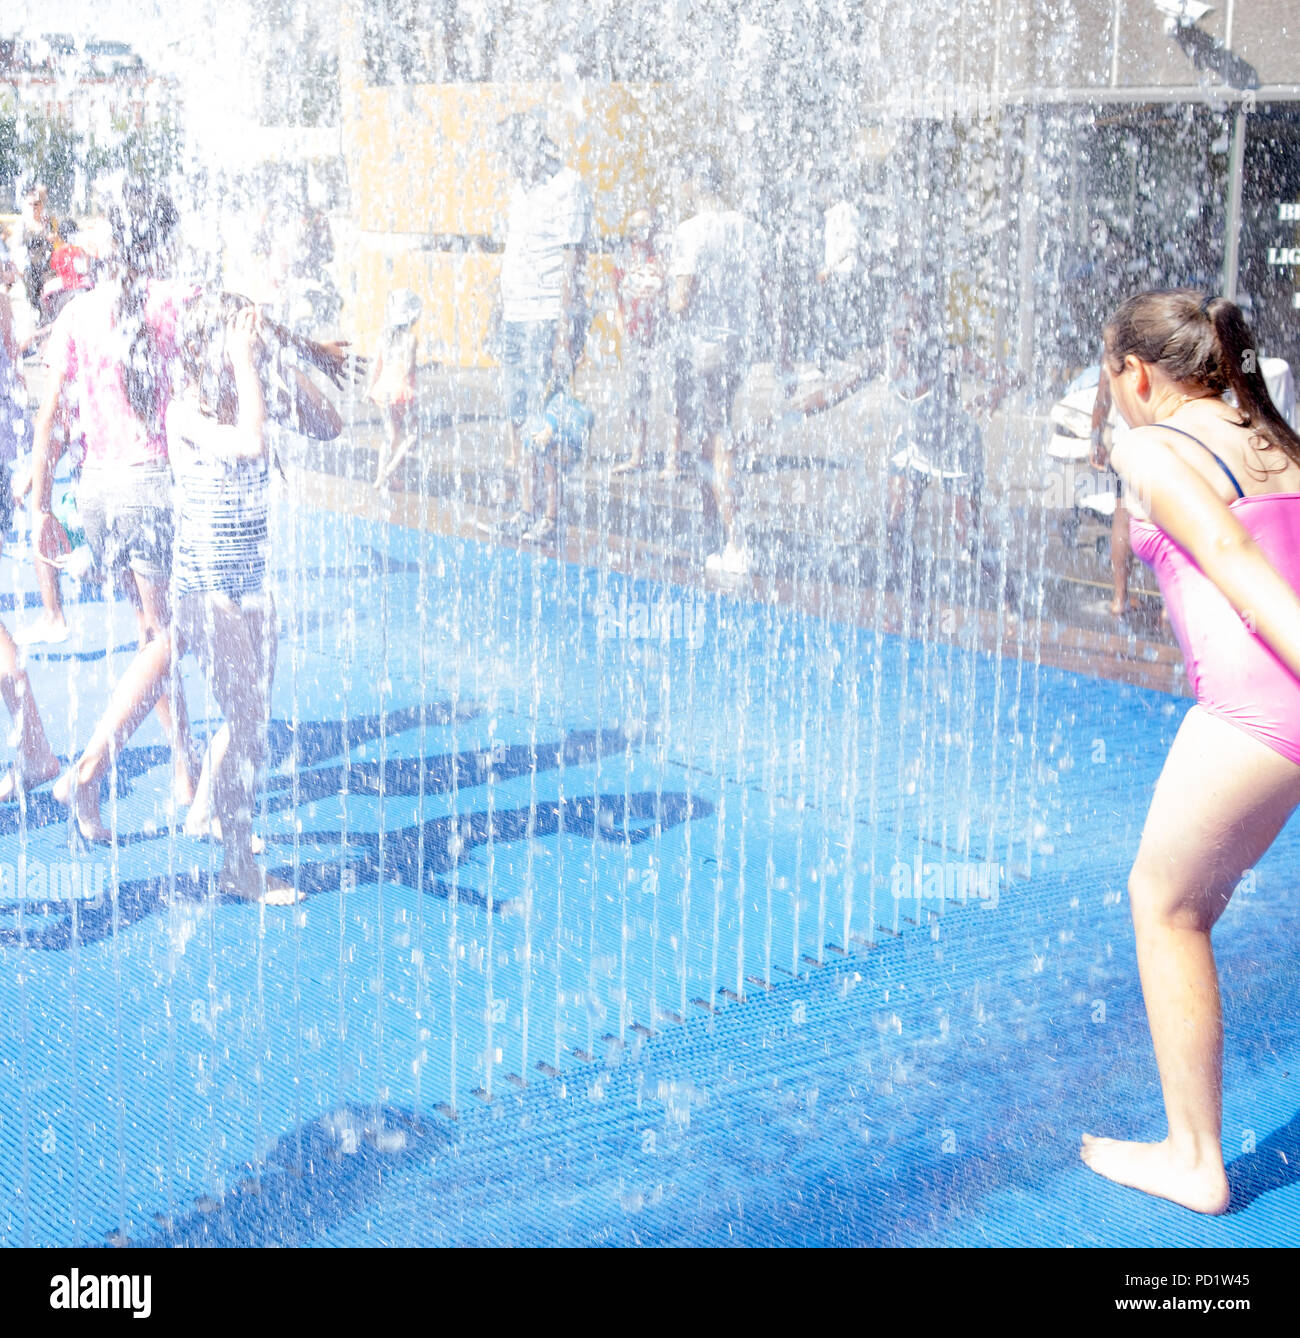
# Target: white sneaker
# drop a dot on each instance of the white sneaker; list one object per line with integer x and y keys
{"x": 732, "y": 561}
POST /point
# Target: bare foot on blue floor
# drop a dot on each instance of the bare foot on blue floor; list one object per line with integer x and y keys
{"x": 84, "y": 804}
{"x": 25, "y": 776}
{"x": 254, "y": 884}
{"x": 1155, "y": 1169}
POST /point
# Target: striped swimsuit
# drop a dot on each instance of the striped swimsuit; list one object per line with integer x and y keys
{"x": 221, "y": 537}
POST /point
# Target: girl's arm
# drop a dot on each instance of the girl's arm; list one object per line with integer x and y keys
{"x": 7, "y": 340}
{"x": 1199, "y": 521}
{"x": 250, "y": 425}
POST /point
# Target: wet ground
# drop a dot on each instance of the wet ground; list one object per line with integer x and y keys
{"x": 1043, "y": 584}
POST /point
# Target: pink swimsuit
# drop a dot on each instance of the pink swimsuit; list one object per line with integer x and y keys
{"x": 1233, "y": 674}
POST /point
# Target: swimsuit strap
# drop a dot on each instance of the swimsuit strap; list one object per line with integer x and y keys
{"x": 1232, "y": 478}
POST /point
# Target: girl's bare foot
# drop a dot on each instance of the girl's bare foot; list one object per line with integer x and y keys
{"x": 25, "y": 776}
{"x": 209, "y": 829}
{"x": 71, "y": 793}
{"x": 1154, "y": 1168}
{"x": 253, "y": 884}
{"x": 626, "y": 466}
{"x": 670, "y": 472}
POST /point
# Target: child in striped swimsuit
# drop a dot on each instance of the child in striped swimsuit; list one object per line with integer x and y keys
{"x": 216, "y": 440}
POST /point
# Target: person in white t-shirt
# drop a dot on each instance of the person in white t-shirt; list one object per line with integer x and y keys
{"x": 840, "y": 278}
{"x": 543, "y": 307}
{"x": 717, "y": 263}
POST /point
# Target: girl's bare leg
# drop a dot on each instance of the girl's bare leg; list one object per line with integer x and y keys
{"x": 145, "y": 686}
{"x": 672, "y": 457}
{"x": 230, "y": 641}
{"x": 402, "y": 440}
{"x": 155, "y": 616}
{"x": 200, "y": 820}
{"x": 393, "y": 414}
{"x": 1221, "y": 800}
{"x": 53, "y": 623}
{"x": 36, "y": 761}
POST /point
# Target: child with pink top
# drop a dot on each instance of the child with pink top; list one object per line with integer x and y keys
{"x": 112, "y": 350}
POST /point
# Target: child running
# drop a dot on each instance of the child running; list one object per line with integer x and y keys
{"x": 217, "y": 442}
{"x": 111, "y": 349}
{"x": 392, "y": 385}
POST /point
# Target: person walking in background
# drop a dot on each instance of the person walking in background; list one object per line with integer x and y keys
{"x": 1213, "y": 490}
{"x": 543, "y": 307}
{"x": 66, "y": 550}
{"x": 639, "y": 283}
{"x": 392, "y": 382}
{"x": 715, "y": 294}
{"x": 38, "y": 235}
{"x": 932, "y": 437}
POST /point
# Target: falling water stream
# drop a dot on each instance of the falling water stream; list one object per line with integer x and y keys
{"x": 553, "y": 808}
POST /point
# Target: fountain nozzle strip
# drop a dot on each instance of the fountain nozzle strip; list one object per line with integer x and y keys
{"x": 1182, "y": 13}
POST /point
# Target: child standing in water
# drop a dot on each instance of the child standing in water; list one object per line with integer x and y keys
{"x": 392, "y": 384}
{"x": 216, "y": 438}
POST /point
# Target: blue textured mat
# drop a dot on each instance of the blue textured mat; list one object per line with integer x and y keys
{"x": 708, "y": 922}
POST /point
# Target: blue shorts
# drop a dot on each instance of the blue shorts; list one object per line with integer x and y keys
{"x": 527, "y": 366}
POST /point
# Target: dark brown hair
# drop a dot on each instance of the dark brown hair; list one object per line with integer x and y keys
{"x": 142, "y": 222}
{"x": 1201, "y": 341}
{"x": 202, "y": 345}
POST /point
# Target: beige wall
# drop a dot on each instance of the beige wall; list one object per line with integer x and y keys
{"x": 426, "y": 190}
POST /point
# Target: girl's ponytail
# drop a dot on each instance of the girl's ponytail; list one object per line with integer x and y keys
{"x": 142, "y": 222}
{"x": 1239, "y": 359}
{"x": 1201, "y": 341}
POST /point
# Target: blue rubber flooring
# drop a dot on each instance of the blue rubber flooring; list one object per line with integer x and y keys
{"x": 634, "y": 914}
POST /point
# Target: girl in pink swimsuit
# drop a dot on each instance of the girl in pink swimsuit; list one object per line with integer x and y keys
{"x": 1214, "y": 494}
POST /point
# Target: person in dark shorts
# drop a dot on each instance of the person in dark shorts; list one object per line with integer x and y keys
{"x": 932, "y": 437}
{"x": 543, "y": 309}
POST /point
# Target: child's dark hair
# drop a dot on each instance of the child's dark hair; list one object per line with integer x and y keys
{"x": 201, "y": 334}
{"x": 142, "y": 221}
{"x": 1202, "y": 341}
